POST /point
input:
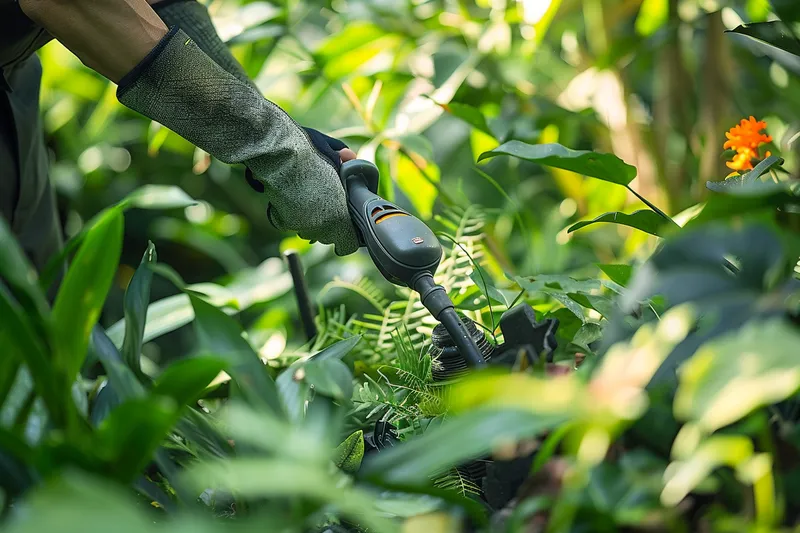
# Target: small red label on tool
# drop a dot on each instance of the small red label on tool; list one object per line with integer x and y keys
{"x": 417, "y": 240}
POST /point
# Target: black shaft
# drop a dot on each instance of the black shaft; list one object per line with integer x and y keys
{"x": 435, "y": 300}
{"x": 463, "y": 340}
{"x": 304, "y": 305}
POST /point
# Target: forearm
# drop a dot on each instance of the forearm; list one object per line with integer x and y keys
{"x": 109, "y": 36}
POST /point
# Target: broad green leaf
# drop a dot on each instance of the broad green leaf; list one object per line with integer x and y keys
{"x": 137, "y": 298}
{"x": 349, "y": 454}
{"x": 157, "y": 197}
{"x": 128, "y": 438}
{"x": 644, "y": 220}
{"x": 255, "y": 478}
{"x": 330, "y": 377}
{"x": 620, "y": 274}
{"x": 733, "y": 375}
{"x": 220, "y": 335}
{"x": 470, "y": 115}
{"x": 606, "y": 167}
{"x": 83, "y": 292}
{"x": 652, "y": 15}
{"x": 184, "y": 381}
{"x": 774, "y": 40}
{"x": 456, "y": 441}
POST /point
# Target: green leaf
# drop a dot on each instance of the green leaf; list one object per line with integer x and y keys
{"x": 157, "y": 197}
{"x": 338, "y": 349}
{"x": 602, "y": 304}
{"x": 184, "y": 381}
{"x": 349, "y": 454}
{"x": 746, "y": 181}
{"x": 652, "y": 15}
{"x": 483, "y": 281}
{"x": 22, "y": 343}
{"x": 736, "y": 373}
{"x": 120, "y": 377}
{"x": 470, "y": 115}
{"x": 330, "y": 377}
{"x": 83, "y": 292}
{"x": 255, "y": 478}
{"x": 137, "y": 298}
{"x": 645, "y": 220}
{"x": 606, "y": 167}
{"x": 456, "y": 441}
{"x": 589, "y": 333}
{"x": 221, "y": 335}
{"x": 774, "y": 40}
{"x": 128, "y": 438}
{"x": 620, "y": 274}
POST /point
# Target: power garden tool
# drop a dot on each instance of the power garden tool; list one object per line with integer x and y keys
{"x": 407, "y": 253}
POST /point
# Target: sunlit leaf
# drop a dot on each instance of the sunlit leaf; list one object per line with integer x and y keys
{"x": 185, "y": 380}
{"x": 644, "y": 220}
{"x": 728, "y": 378}
{"x": 620, "y": 274}
{"x": 349, "y": 454}
{"x": 220, "y": 335}
{"x": 652, "y": 15}
{"x": 470, "y": 115}
{"x": 83, "y": 292}
{"x": 455, "y": 442}
{"x": 606, "y": 167}
{"x": 774, "y": 40}
{"x": 157, "y": 197}
{"x": 137, "y": 298}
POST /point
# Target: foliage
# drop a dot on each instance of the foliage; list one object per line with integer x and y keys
{"x": 569, "y": 166}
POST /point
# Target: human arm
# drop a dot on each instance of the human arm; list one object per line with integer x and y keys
{"x": 165, "y": 76}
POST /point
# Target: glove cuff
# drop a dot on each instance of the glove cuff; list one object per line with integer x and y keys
{"x": 131, "y": 77}
{"x": 192, "y": 17}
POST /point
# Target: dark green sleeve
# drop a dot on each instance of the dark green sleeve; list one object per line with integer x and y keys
{"x": 192, "y": 17}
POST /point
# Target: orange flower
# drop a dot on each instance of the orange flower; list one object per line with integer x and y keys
{"x": 745, "y": 138}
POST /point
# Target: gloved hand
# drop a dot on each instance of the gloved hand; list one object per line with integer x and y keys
{"x": 332, "y": 149}
{"x": 179, "y": 86}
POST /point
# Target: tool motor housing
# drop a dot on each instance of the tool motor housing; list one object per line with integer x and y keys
{"x": 401, "y": 245}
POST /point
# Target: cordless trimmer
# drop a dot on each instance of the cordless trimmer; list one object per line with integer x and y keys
{"x": 404, "y": 249}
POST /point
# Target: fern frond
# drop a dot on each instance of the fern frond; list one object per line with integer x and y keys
{"x": 363, "y": 287}
{"x": 454, "y": 480}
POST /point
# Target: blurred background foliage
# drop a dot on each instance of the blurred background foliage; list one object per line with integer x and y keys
{"x": 422, "y": 88}
{"x": 671, "y": 404}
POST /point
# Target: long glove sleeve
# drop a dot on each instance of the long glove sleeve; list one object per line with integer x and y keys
{"x": 179, "y": 86}
{"x": 192, "y": 17}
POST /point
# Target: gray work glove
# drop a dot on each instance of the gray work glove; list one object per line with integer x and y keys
{"x": 192, "y": 17}
{"x": 179, "y": 86}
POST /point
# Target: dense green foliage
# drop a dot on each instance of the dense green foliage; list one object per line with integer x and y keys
{"x": 569, "y": 154}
